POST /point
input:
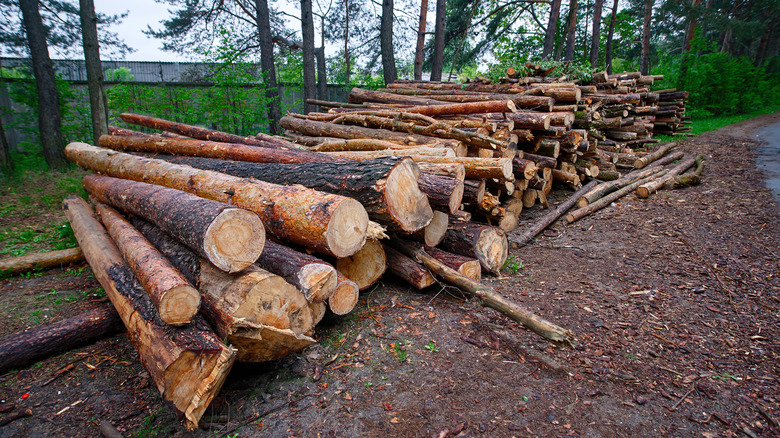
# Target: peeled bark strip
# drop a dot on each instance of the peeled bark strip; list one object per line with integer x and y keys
{"x": 408, "y": 270}
{"x": 386, "y": 187}
{"x": 188, "y": 365}
{"x": 40, "y": 260}
{"x": 203, "y": 133}
{"x": 463, "y": 265}
{"x": 444, "y": 193}
{"x": 483, "y": 242}
{"x": 312, "y": 276}
{"x": 259, "y": 313}
{"x": 26, "y": 347}
{"x": 230, "y": 238}
{"x": 366, "y": 266}
{"x": 488, "y": 296}
{"x": 345, "y": 297}
{"x": 324, "y": 222}
{"x": 173, "y": 296}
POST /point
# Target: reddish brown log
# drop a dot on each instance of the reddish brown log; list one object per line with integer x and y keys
{"x": 316, "y": 279}
{"x": 485, "y": 243}
{"x": 408, "y": 270}
{"x": 464, "y": 265}
{"x": 493, "y": 106}
{"x": 444, "y": 193}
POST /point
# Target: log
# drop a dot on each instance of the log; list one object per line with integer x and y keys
{"x": 610, "y": 198}
{"x": 259, "y": 313}
{"x": 328, "y": 223}
{"x": 230, "y": 238}
{"x": 570, "y": 179}
{"x": 408, "y": 270}
{"x": 175, "y": 299}
{"x": 687, "y": 179}
{"x": 487, "y": 295}
{"x": 415, "y": 153}
{"x": 477, "y": 168}
{"x": 353, "y": 144}
{"x": 345, "y": 297}
{"x": 530, "y": 120}
{"x": 482, "y": 242}
{"x": 653, "y": 156}
{"x": 491, "y": 106}
{"x": 386, "y": 187}
{"x": 29, "y": 346}
{"x": 444, "y": 193}
{"x": 524, "y": 168}
{"x": 40, "y": 260}
{"x": 315, "y": 279}
{"x": 463, "y": 265}
{"x": 541, "y": 160}
{"x": 203, "y": 133}
{"x": 366, "y": 266}
{"x": 473, "y": 192}
{"x": 189, "y": 364}
{"x": 539, "y": 225}
{"x": 452, "y": 170}
{"x": 644, "y": 191}
{"x": 434, "y": 232}
{"x": 360, "y": 95}
{"x": 606, "y": 188}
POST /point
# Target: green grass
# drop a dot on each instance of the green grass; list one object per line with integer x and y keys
{"x": 706, "y": 124}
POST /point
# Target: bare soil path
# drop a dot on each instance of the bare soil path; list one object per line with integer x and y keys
{"x": 675, "y": 301}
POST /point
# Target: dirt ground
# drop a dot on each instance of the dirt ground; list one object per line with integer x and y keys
{"x": 675, "y": 301}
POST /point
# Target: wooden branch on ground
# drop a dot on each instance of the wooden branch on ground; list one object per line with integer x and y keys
{"x": 653, "y": 156}
{"x": 645, "y": 190}
{"x": 40, "y": 260}
{"x": 608, "y": 199}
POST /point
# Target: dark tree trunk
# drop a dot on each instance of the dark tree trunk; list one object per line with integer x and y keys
{"x": 608, "y": 55}
{"x": 690, "y": 29}
{"x": 386, "y": 42}
{"x": 571, "y": 28}
{"x": 644, "y": 67}
{"x": 437, "y": 63}
{"x": 49, "y": 120}
{"x": 594, "y": 40}
{"x": 552, "y": 28}
{"x": 97, "y": 100}
{"x": 267, "y": 65}
{"x": 322, "y": 75}
{"x": 418, "y": 54}
{"x": 6, "y": 164}
{"x": 346, "y": 42}
{"x": 307, "y": 30}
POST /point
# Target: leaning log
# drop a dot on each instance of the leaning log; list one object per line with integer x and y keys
{"x": 26, "y": 347}
{"x": 230, "y": 238}
{"x": 312, "y": 276}
{"x": 40, "y": 260}
{"x": 467, "y": 266}
{"x": 408, "y": 270}
{"x": 173, "y": 296}
{"x": 189, "y": 364}
{"x": 482, "y": 242}
{"x": 324, "y": 222}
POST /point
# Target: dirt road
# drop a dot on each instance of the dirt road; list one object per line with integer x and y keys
{"x": 675, "y": 301}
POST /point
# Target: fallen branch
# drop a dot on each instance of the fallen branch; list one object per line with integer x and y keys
{"x": 40, "y": 260}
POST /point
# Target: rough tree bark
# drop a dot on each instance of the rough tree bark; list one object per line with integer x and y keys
{"x": 571, "y": 28}
{"x": 322, "y": 75}
{"x": 552, "y": 28}
{"x": 97, "y": 98}
{"x": 610, "y": 34}
{"x": 437, "y": 61}
{"x": 594, "y": 40}
{"x": 386, "y": 42}
{"x": 645, "y": 58}
{"x": 49, "y": 120}
{"x": 418, "y": 54}
{"x": 307, "y": 32}
{"x": 267, "y": 64}
{"x": 6, "y": 164}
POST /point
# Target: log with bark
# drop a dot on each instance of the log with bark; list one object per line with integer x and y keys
{"x": 175, "y": 299}
{"x": 452, "y": 170}
{"x": 606, "y": 188}
{"x": 491, "y": 106}
{"x": 408, "y": 270}
{"x": 189, "y": 364}
{"x": 434, "y": 232}
{"x": 650, "y": 187}
{"x": 40, "y": 260}
{"x": 487, "y": 295}
{"x": 230, "y": 238}
{"x": 482, "y": 242}
{"x": 324, "y": 222}
{"x": 608, "y": 199}
{"x": 653, "y": 156}
{"x": 26, "y": 347}
{"x": 467, "y": 266}
{"x": 386, "y": 187}
{"x": 444, "y": 193}
{"x": 316, "y": 279}
{"x": 361, "y": 95}
{"x": 366, "y": 266}
{"x": 345, "y": 297}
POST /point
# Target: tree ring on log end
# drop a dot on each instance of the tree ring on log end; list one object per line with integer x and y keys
{"x": 344, "y": 298}
{"x": 179, "y": 304}
{"x": 271, "y": 301}
{"x": 435, "y": 231}
{"x": 492, "y": 249}
{"x": 405, "y": 201}
{"x": 234, "y": 240}
{"x": 347, "y": 227}
{"x": 366, "y": 266}
{"x": 319, "y": 280}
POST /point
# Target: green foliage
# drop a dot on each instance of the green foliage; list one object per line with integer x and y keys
{"x": 512, "y": 264}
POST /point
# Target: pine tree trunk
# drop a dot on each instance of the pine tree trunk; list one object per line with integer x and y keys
{"x": 610, "y": 34}
{"x": 645, "y": 56}
{"x": 552, "y": 29}
{"x": 97, "y": 98}
{"x": 322, "y": 75}
{"x": 386, "y": 42}
{"x": 6, "y": 163}
{"x": 594, "y": 41}
{"x": 307, "y": 32}
{"x": 420, "y": 50}
{"x": 267, "y": 65}
{"x": 571, "y": 28}
{"x": 437, "y": 61}
{"x": 189, "y": 364}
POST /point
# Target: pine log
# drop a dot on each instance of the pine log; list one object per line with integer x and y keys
{"x": 361, "y": 95}
{"x": 26, "y": 347}
{"x": 524, "y": 168}
{"x": 610, "y": 198}
{"x": 482, "y": 242}
{"x": 530, "y": 120}
{"x": 353, "y": 144}
{"x": 172, "y": 295}
{"x": 463, "y": 265}
{"x": 653, "y": 156}
{"x": 230, "y": 238}
{"x": 473, "y": 191}
{"x": 569, "y": 179}
{"x": 203, "y": 133}
{"x": 40, "y": 260}
{"x": 366, "y": 266}
{"x": 606, "y": 188}
{"x": 320, "y": 129}
{"x": 477, "y": 168}
{"x": 526, "y": 235}
{"x": 315, "y": 279}
{"x": 328, "y": 223}
{"x": 650, "y": 187}
{"x": 408, "y": 270}
{"x": 487, "y": 295}
{"x": 189, "y": 364}
{"x": 386, "y": 187}
{"x": 444, "y": 193}
{"x": 541, "y": 160}
{"x": 415, "y": 153}
{"x": 452, "y": 170}
{"x": 259, "y": 313}
{"x": 434, "y": 232}
{"x": 345, "y": 297}
{"x": 491, "y": 106}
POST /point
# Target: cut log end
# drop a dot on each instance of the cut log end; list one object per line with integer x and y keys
{"x": 346, "y": 232}
{"x": 643, "y": 192}
{"x": 345, "y": 297}
{"x": 318, "y": 311}
{"x": 472, "y": 270}
{"x": 203, "y": 387}
{"x": 492, "y": 249}
{"x": 318, "y": 281}
{"x": 435, "y": 231}
{"x": 404, "y": 199}
{"x": 234, "y": 240}
{"x": 366, "y": 266}
{"x": 179, "y": 304}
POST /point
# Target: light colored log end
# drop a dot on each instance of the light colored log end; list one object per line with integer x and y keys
{"x": 344, "y": 298}
{"x": 471, "y": 270}
{"x": 179, "y": 304}
{"x": 234, "y": 240}
{"x": 405, "y": 201}
{"x": 317, "y": 281}
{"x": 318, "y": 311}
{"x": 492, "y": 249}
{"x": 436, "y": 230}
{"x": 201, "y": 387}
{"x": 366, "y": 266}
{"x": 347, "y": 228}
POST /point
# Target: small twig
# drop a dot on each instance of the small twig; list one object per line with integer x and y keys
{"x": 669, "y": 369}
{"x": 15, "y": 416}
{"x": 693, "y": 388}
